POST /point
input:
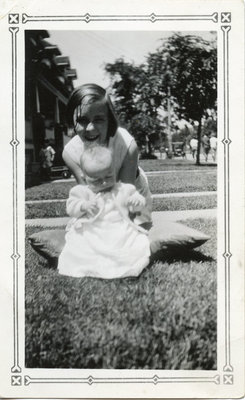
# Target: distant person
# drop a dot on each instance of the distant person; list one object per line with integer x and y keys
{"x": 193, "y": 146}
{"x": 206, "y": 146}
{"x": 161, "y": 150}
{"x": 183, "y": 150}
{"x": 213, "y": 146}
{"x": 52, "y": 151}
{"x": 46, "y": 156}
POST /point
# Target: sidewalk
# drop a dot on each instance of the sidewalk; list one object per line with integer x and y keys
{"x": 188, "y": 157}
{"x": 156, "y": 215}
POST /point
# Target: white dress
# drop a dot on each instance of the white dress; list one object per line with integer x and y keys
{"x": 107, "y": 246}
{"x": 119, "y": 144}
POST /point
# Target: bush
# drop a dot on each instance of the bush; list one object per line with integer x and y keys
{"x": 147, "y": 156}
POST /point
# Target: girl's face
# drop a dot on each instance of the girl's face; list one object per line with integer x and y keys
{"x": 99, "y": 181}
{"x": 91, "y": 122}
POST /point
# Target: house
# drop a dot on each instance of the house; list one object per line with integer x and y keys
{"x": 48, "y": 85}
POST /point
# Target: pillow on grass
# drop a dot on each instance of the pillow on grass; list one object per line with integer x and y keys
{"x": 48, "y": 243}
{"x": 174, "y": 235}
{"x": 164, "y": 235}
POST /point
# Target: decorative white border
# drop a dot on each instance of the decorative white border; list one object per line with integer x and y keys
{"x": 226, "y": 141}
{"x": 90, "y": 18}
{"x": 15, "y": 255}
{"x": 17, "y": 379}
{"x": 155, "y": 379}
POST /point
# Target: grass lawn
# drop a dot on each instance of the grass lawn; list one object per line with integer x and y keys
{"x": 185, "y": 203}
{"x": 165, "y": 319}
{"x": 45, "y": 210}
{"x": 58, "y": 209}
{"x": 183, "y": 182}
{"x": 49, "y": 191}
{"x": 174, "y": 164}
{"x": 167, "y": 183}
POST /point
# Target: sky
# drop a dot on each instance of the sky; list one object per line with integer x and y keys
{"x": 90, "y": 50}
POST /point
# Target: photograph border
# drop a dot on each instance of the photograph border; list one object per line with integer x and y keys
{"x": 224, "y": 21}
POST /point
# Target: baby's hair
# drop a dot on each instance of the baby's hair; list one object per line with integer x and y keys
{"x": 96, "y": 158}
{"x": 89, "y": 94}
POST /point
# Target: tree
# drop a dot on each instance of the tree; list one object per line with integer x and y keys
{"x": 124, "y": 78}
{"x": 145, "y": 129}
{"x": 180, "y": 75}
{"x": 135, "y": 100}
{"x": 210, "y": 122}
{"x": 186, "y": 66}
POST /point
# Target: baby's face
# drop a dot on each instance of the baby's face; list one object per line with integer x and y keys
{"x": 99, "y": 181}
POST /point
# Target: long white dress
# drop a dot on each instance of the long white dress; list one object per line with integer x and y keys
{"x": 107, "y": 246}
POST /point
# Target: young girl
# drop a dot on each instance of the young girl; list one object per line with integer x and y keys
{"x": 101, "y": 239}
{"x": 90, "y": 113}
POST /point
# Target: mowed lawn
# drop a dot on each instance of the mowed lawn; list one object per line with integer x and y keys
{"x": 165, "y": 319}
{"x": 58, "y": 208}
{"x": 203, "y": 180}
{"x": 174, "y": 182}
{"x": 174, "y": 164}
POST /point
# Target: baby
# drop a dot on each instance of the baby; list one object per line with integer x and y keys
{"x": 101, "y": 239}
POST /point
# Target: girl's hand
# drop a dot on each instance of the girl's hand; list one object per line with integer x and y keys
{"x": 136, "y": 202}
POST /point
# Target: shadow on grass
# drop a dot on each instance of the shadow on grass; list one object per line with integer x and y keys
{"x": 184, "y": 255}
{"x": 214, "y": 165}
{"x": 169, "y": 257}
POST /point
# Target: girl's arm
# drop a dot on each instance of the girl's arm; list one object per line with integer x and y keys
{"x": 74, "y": 168}
{"x": 128, "y": 171}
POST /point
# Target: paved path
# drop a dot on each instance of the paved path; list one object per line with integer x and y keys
{"x": 167, "y": 215}
{"x": 154, "y": 196}
{"x": 208, "y": 171}
{"x": 185, "y": 194}
{"x": 188, "y": 157}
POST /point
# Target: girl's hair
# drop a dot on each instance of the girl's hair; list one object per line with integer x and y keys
{"x": 96, "y": 158}
{"x": 88, "y": 94}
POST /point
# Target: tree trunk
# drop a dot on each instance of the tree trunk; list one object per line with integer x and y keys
{"x": 170, "y": 146}
{"x": 199, "y": 131}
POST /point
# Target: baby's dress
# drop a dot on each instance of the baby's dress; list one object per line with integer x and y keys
{"x": 109, "y": 245}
